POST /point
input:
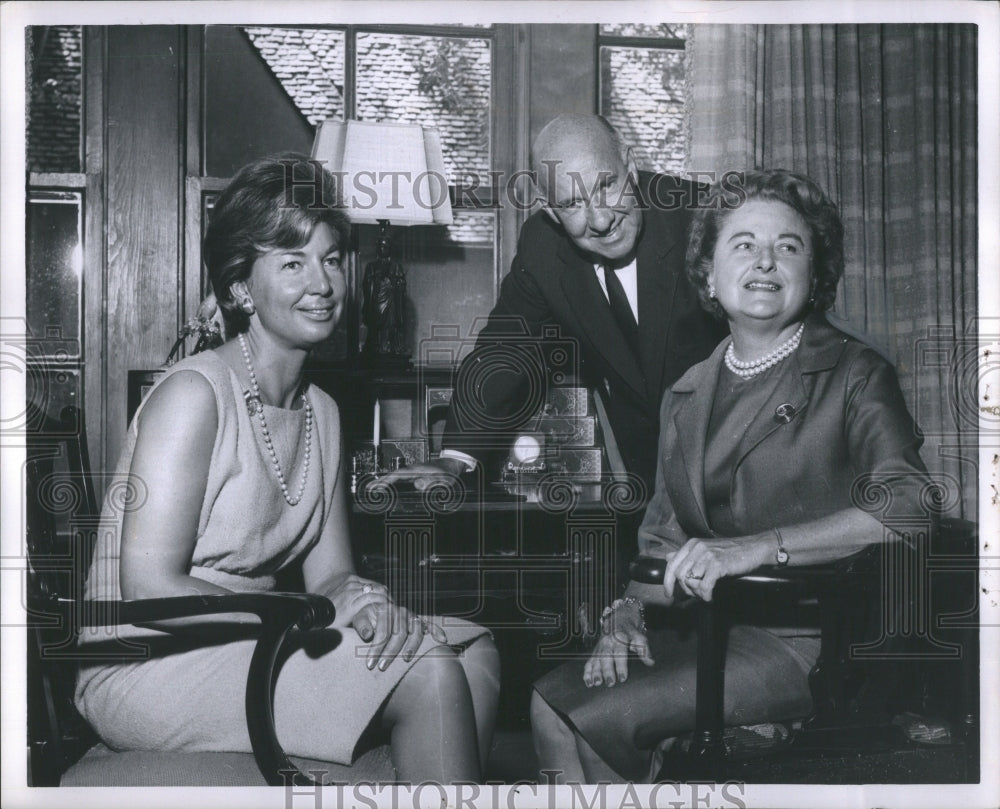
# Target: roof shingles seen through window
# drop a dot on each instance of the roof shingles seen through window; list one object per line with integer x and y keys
{"x": 55, "y": 69}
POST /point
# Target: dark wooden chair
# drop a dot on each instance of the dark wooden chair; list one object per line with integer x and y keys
{"x": 873, "y": 667}
{"x": 62, "y": 518}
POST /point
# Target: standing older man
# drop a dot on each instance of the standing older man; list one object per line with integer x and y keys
{"x": 604, "y": 262}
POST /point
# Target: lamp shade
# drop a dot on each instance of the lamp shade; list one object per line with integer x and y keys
{"x": 390, "y": 171}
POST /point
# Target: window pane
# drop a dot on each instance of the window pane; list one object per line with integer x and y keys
{"x": 50, "y": 386}
{"x": 54, "y": 272}
{"x": 435, "y": 81}
{"x": 666, "y": 30}
{"x": 309, "y": 63}
{"x": 449, "y": 273}
{"x": 55, "y": 71}
{"x": 642, "y": 94}
{"x": 266, "y": 89}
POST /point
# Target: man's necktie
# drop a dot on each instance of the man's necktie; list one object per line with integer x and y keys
{"x": 621, "y": 310}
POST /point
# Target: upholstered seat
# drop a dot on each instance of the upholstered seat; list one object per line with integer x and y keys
{"x": 101, "y": 767}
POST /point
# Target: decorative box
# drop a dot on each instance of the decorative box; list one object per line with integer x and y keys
{"x": 567, "y": 402}
{"x": 567, "y": 431}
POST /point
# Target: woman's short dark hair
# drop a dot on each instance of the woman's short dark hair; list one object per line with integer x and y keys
{"x": 800, "y": 194}
{"x": 272, "y": 203}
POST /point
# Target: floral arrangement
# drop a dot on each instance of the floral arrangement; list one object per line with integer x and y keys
{"x": 205, "y": 326}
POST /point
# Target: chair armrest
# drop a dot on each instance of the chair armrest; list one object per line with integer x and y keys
{"x": 806, "y": 578}
{"x": 278, "y": 612}
{"x": 306, "y": 610}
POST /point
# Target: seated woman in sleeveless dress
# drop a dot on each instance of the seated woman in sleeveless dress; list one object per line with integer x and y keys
{"x": 233, "y": 471}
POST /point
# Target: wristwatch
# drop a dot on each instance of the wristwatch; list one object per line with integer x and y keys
{"x": 781, "y": 557}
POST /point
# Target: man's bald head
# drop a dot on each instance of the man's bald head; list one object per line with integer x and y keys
{"x": 573, "y": 134}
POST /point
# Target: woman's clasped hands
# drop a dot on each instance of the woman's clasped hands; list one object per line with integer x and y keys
{"x": 389, "y": 629}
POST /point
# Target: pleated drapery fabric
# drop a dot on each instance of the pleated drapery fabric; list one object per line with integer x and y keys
{"x": 884, "y": 118}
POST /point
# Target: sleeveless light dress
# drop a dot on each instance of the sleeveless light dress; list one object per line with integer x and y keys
{"x": 187, "y": 694}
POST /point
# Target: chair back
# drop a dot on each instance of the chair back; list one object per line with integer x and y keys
{"x": 60, "y": 530}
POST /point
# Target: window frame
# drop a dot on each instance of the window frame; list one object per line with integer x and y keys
{"x": 632, "y": 41}
{"x": 89, "y": 184}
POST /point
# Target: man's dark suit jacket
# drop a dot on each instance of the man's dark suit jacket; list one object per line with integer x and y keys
{"x": 552, "y": 283}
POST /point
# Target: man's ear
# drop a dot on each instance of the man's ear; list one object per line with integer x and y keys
{"x": 630, "y": 164}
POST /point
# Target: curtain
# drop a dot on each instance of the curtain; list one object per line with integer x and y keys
{"x": 883, "y": 117}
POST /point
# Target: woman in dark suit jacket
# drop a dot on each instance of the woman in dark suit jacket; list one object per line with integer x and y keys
{"x": 780, "y": 449}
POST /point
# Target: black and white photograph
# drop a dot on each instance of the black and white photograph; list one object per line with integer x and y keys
{"x": 533, "y": 404}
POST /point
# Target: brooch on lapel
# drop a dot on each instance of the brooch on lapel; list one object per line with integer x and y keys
{"x": 784, "y": 413}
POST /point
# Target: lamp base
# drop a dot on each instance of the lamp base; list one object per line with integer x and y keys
{"x": 384, "y": 307}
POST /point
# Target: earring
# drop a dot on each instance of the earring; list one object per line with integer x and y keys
{"x": 247, "y": 305}
{"x": 711, "y": 290}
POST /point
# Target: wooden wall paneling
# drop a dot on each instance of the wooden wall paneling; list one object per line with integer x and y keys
{"x": 192, "y": 245}
{"x": 144, "y": 188}
{"x": 94, "y": 62}
{"x": 510, "y": 135}
{"x": 194, "y": 84}
{"x": 193, "y": 159}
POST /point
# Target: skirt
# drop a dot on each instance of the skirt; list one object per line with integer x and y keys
{"x": 766, "y": 680}
{"x": 190, "y": 697}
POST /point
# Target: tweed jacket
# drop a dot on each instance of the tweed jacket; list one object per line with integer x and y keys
{"x": 552, "y": 287}
{"x": 850, "y": 441}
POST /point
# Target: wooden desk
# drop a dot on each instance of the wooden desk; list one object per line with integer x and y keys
{"x": 520, "y": 568}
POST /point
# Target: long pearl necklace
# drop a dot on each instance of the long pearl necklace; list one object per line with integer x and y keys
{"x": 748, "y": 370}
{"x": 256, "y": 403}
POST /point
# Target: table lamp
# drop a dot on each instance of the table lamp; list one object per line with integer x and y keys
{"x": 394, "y": 173}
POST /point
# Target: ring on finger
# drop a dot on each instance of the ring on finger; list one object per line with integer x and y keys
{"x": 690, "y": 575}
{"x": 367, "y": 587}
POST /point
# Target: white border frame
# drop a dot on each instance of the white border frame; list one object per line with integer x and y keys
{"x": 15, "y": 15}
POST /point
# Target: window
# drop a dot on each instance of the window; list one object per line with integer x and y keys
{"x": 55, "y": 67}
{"x": 441, "y": 76}
{"x": 55, "y": 218}
{"x": 642, "y": 89}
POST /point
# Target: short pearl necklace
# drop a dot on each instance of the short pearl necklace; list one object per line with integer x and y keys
{"x": 256, "y": 404}
{"x": 747, "y": 370}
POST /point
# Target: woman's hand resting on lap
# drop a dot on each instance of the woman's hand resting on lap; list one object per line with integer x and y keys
{"x": 608, "y": 663}
{"x": 389, "y": 629}
{"x": 396, "y": 631}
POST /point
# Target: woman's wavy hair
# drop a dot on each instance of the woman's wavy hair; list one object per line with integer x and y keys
{"x": 272, "y": 203}
{"x": 799, "y": 193}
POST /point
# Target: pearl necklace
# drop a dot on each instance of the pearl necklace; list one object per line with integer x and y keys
{"x": 748, "y": 370}
{"x": 256, "y": 405}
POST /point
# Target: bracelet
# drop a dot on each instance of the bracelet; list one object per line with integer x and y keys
{"x": 621, "y": 602}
